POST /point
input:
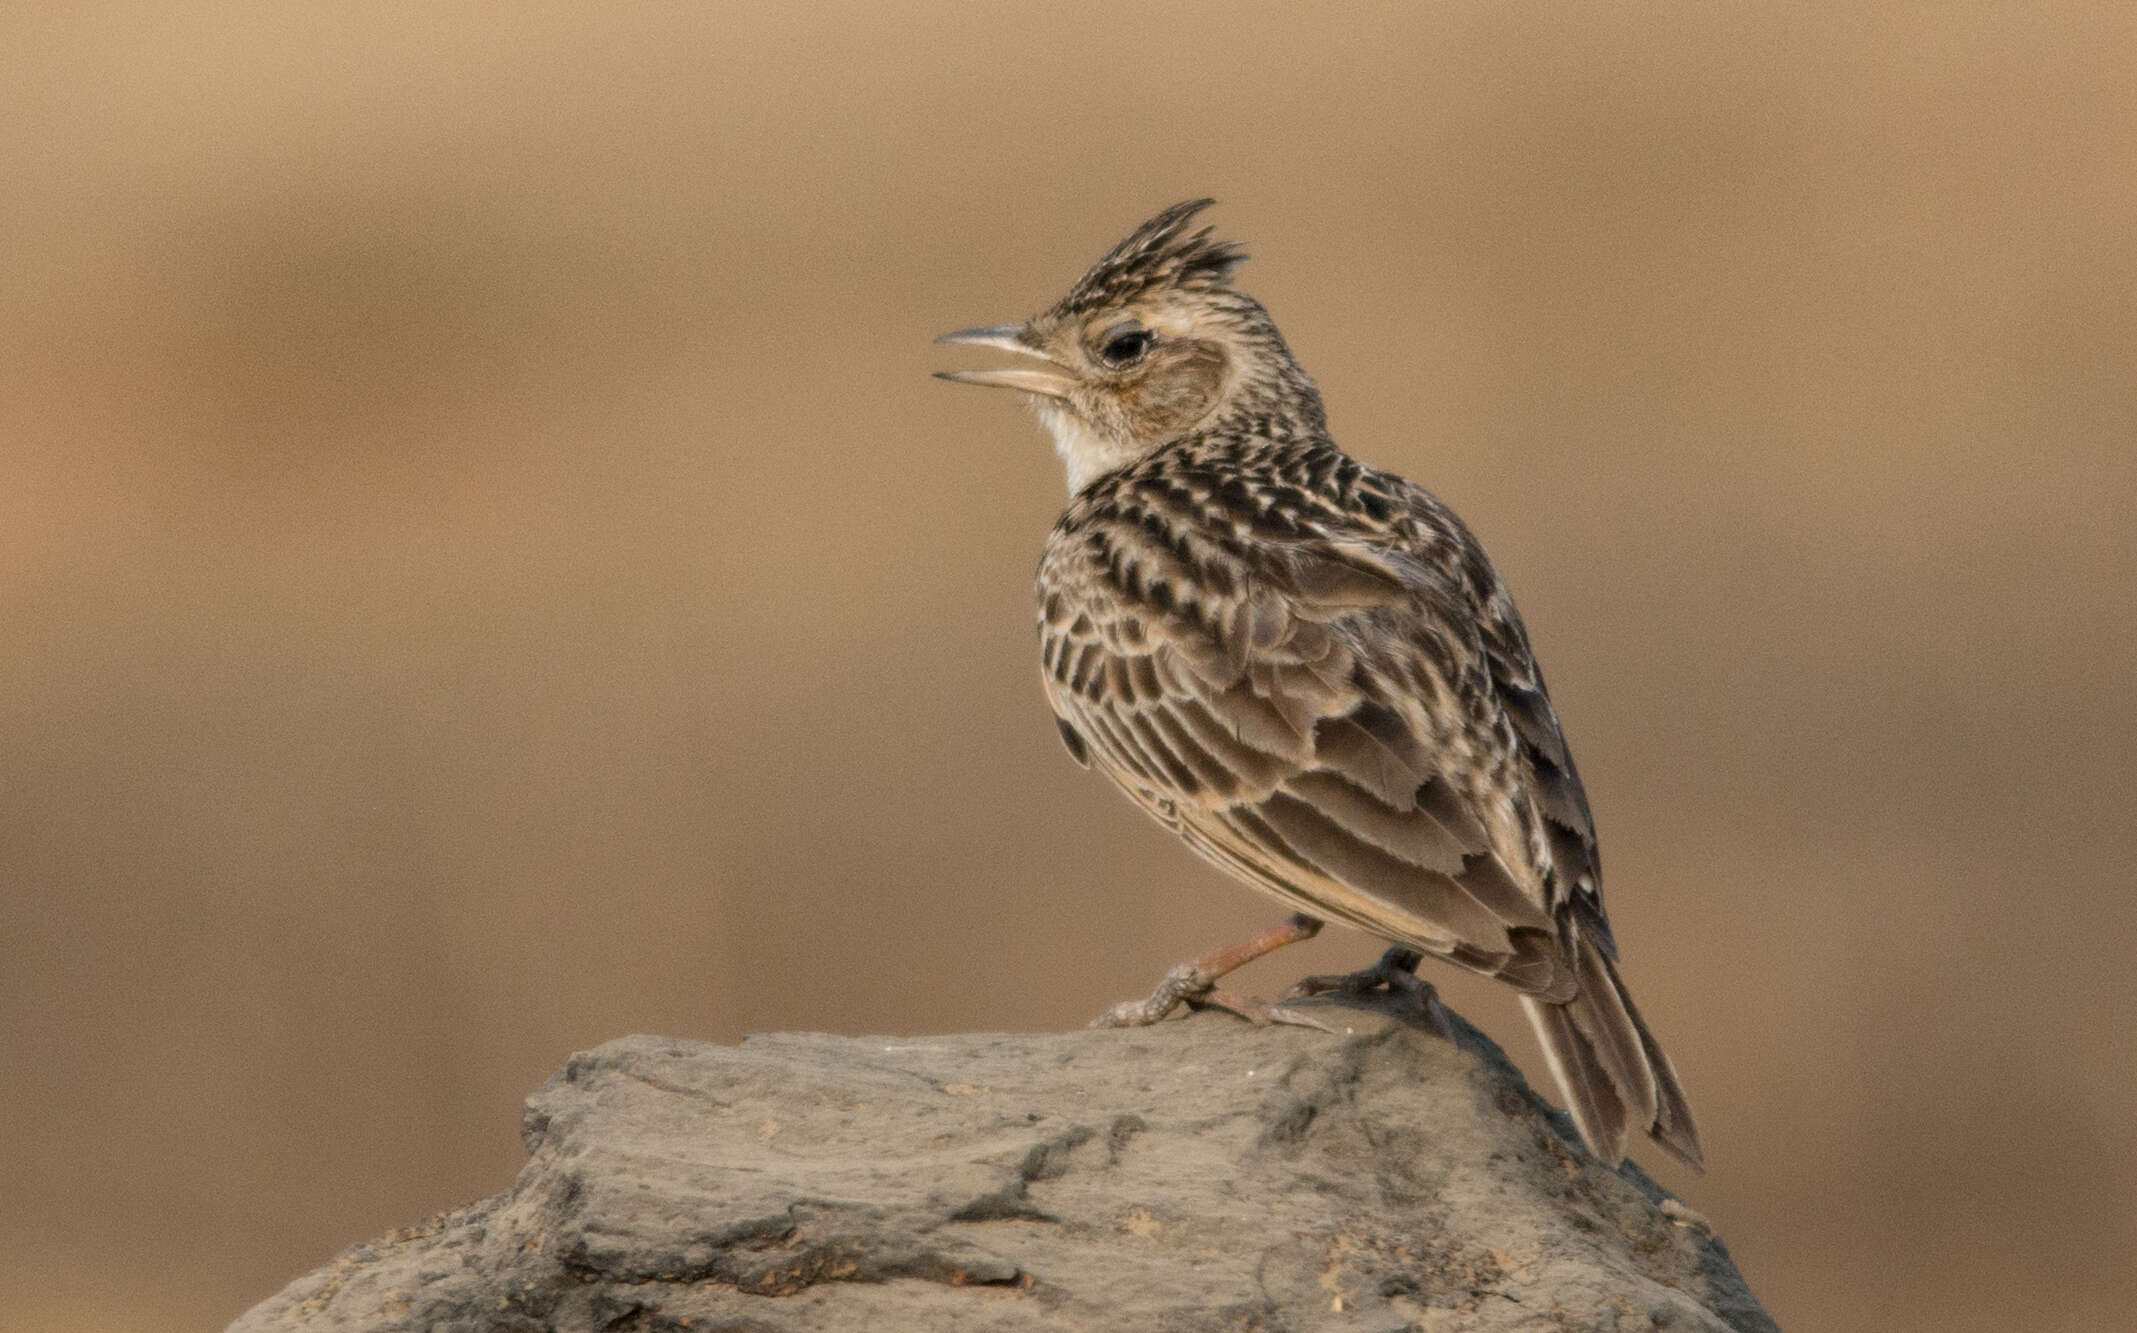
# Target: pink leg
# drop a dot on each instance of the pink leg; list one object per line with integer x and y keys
{"x": 1195, "y": 984}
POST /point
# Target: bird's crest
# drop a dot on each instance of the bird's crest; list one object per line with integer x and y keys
{"x": 1161, "y": 254}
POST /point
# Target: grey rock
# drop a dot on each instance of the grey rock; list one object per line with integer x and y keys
{"x": 1198, "y": 1175}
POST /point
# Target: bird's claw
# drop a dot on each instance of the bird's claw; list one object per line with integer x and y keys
{"x": 1194, "y": 984}
{"x": 1188, "y": 985}
{"x": 1392, "y": 977}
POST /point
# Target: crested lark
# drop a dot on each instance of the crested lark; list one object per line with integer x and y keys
{"x": 1309, "y": 670}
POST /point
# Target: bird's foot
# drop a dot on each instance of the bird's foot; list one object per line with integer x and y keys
{"x": 1393, "y": 977}
{"x": 1186, "y": 985}
{"x": 1254, "y": 1010}
{"x": 1195, "y": 984}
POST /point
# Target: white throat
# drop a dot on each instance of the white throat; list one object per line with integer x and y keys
{"x": 1086, "y": 454}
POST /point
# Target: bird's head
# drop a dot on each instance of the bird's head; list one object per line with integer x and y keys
{"x": 1149, "y": 346}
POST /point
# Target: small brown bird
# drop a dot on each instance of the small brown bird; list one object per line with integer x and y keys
{"x": 1310, "y": 672}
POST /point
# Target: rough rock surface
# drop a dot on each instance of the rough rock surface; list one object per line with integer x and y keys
{"x": 1197, "y": 1175}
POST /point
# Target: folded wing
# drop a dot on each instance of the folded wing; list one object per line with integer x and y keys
{"x": 1316, "y": 730}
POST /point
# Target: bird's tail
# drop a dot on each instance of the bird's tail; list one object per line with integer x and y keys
{"x": 1611, "y": 1070}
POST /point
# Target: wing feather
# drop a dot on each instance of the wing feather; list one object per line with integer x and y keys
{"x": 1410, "y": 834}
{"x": 1352, "y": 724}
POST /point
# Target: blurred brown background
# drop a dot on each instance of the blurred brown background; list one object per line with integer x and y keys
{"x": 484, "y": 569}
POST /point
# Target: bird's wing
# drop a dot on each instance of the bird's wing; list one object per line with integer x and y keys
{"x": 1575, "y": 882}
{"x": 1316, "y": 725}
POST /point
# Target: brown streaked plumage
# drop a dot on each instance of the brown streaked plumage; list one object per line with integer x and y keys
{"x": 1308, "y": 669}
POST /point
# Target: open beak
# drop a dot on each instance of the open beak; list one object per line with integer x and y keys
{"x": 1008, "y": 338}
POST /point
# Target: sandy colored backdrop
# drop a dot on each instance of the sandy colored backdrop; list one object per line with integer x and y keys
{"x": 484, "y": 569}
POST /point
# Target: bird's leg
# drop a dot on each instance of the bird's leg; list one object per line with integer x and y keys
{"x": 1395, "y": 975}
{"x": 1195, "y": 984}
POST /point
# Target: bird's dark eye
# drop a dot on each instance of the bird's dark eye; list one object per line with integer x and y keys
{"x": 1125, "y": 344}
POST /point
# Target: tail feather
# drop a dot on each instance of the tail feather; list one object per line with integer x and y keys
{"x": 1590, "y": 1095}
{"x": 1612, "y": 1071}
{"x": 1602, "y": 1016}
